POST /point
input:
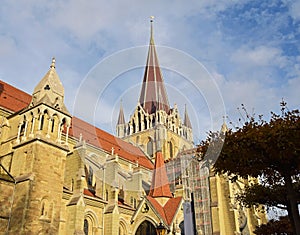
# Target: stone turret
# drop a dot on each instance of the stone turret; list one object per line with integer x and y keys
{"x": 39, "y": 152}
{"x": 46, "y": 116}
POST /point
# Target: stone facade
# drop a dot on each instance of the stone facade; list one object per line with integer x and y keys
{"x": 57, "y": 178}
{"x": 61, "y": 175}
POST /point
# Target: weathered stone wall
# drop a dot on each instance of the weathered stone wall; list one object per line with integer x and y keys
{"x": 6, "y": 199}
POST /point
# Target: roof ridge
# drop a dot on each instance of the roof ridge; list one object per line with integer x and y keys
{"x": 156, "y": 203}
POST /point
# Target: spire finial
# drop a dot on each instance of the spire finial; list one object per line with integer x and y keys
{"x": 52, "y": 66}
{"x": 151, "y": 32}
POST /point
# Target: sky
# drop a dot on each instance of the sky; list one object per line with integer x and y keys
{"x": 215, "y": 54}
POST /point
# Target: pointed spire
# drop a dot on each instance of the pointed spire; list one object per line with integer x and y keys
{"x": 50, "y": 90}
{"x": 51, "y": 82}
{"x": 160, "y": 184}
{"x": 224, "y": 127}
{"x": 187, "y": 121}
{"x": 121, "y": 119}
{"x": 153, "y": 95}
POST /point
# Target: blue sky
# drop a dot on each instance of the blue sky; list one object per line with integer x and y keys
{"x": 248, "y": 52}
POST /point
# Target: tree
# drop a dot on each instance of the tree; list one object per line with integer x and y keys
{"x": 275, "y": 227}
{"x": 269, "y": 151}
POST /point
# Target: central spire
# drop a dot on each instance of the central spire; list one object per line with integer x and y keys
{"x": 153, "y": 95}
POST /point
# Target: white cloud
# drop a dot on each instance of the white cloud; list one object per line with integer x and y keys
{"x": 294, "y": 8}
{"x": 260, "y": 56}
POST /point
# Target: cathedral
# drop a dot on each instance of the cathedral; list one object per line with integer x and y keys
{"x": 62, "y": 175}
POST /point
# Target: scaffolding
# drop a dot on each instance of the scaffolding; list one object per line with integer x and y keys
{"x": 194, "y": 178}
{"x": 201, "y": 197}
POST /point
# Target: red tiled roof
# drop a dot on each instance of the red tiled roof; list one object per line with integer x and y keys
{"x": 168, "y": 211}
{"x": 159, "y": 209}
{"x": 106, "y": 141}
{"x": 160, "y": 183}
{"x": 14, "y": 100}
{"x": 88, "y": 193}
{"x": 171, "y": 208}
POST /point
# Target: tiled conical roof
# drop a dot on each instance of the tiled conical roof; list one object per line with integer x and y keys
{"x": 160, "y": 183}
{"x": 153, "y": 94}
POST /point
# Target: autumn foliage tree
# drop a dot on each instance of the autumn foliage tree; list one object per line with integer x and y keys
{"x": 269, "y": 151}
{"x": 280, "y": 226}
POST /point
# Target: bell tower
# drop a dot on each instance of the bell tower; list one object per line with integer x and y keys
{"x": 153, "y": 120}
{"x": 39, "y": 153}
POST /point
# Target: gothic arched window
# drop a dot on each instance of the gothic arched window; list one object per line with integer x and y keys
{"x": 90, "y": 176}
{"x": 41, "y": 122}
{"x": 139, "y": 121}
{"x": 171, "y": 150}
{"x": 181, "y": 226}
{"x": 86, "y": 227}
{"x": 106, "y": 195}
{"x": 150, "y": 148}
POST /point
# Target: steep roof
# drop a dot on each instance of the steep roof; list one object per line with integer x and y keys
{"x": 153, "y": 93}
{"x": 51, "y": 81}
{"x": 50, "y": 90}
{"x": 168, "y": 211}
{"x": 13, "y": 99}
{"x": 160, "y": 184}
